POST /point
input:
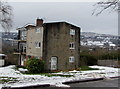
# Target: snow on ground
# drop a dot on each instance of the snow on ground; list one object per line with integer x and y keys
{"x": 9, "y": 71}
{"x": 21, "y": 80}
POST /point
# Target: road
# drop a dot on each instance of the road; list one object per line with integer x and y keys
{"x": 104, "y": 84}
{"x": 101, "y": 83}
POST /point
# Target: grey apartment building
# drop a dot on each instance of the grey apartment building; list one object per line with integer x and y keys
{"x": 57, "y": 43}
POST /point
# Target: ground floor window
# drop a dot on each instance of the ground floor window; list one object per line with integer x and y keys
{"x": 71, "y": 59}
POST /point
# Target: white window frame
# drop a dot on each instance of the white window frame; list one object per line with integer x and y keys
{"x": 37, "y": 44}
{"x": 38, "y": 30}
{"x": 71, "y": 59}
{"x": 72, "y": 31}
{"x": 72, "y": 45}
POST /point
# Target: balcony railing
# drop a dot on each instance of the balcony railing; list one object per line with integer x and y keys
{"x": 19, "y": 51}
{"x": 21, "y": 40}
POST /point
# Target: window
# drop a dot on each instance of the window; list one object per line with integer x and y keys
{"x": 23, "y": 35}
{"x": 37, "y": 57}
{"x": 37, "y": 44}
{"x": 71, "y": 59}
{"x": 72, "y": 31}
{"x": 37, "y": 30}
{"x": 72, "y": 45}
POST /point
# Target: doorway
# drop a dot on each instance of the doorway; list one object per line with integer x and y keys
{"x": 53, "y": 63}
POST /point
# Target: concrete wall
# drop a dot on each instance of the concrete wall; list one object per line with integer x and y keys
{"x": 32, "y": 37}
{"x": 56, "y": 44}
{"x": 55, "y": 39}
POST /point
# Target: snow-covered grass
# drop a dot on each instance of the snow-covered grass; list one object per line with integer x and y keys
{"x": 14, "y": 78}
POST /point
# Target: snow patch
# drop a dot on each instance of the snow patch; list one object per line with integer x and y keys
{"x": 31, "y": 80}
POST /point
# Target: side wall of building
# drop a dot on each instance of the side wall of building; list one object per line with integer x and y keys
{"x": 56, "y": 44}
{"x": 33, "y": 39}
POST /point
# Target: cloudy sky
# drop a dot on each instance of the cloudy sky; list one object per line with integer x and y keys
{"x": 77, "y": 13}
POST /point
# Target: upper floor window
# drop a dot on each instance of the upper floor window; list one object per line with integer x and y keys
{"x": 22, "y": 47}
{"x": 72, "y": 31}
{"x": 37, "y": 44}
{"x": 38, "y": 30}
{"x": 23, "y": 35}
{"x": 71, "y": 59}
{"x": 72, "y": 45}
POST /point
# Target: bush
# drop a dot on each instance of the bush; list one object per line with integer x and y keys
{"x": 35, "y": 65}
{"x": 88, "y": 59}
{"x": 111, "y": 55}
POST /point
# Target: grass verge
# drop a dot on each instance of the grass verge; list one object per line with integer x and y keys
{"x": 8, "y": 80}
{"x": 85, "y": 68}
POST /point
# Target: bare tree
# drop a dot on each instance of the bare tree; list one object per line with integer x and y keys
{"x": 113, "y": 5}
{"x": 5, "y": 15}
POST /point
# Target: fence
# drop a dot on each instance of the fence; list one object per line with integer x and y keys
{"x": 109, "y": 63}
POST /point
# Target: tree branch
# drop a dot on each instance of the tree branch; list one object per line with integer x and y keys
{"x": 5, "y": 15}
{"x": 104, "y": 5}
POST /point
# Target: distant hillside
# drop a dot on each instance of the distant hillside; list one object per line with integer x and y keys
{"x": 9, "y": 38}
{"x": 87, "y": 39}
{"x": 10, "y": 35}
{"x": 92, "y": 34}
{"x": 100, "y": 40}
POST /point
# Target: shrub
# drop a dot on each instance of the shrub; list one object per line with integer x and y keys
{"x": 88, "y": 59}
{"x": 35, "y": 65}
{"x": 111, "y": 55}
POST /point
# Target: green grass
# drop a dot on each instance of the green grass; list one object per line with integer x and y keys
{"x": 85, "y": 68}
{"x": 50, "y": 75}
{"x": 82, "y": 68}
{"x": 8, "y": 79}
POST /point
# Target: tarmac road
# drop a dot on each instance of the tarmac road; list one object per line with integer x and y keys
{"x": 101, "y": 83}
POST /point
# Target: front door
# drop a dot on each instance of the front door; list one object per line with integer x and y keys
{"x": 53, "y": 63}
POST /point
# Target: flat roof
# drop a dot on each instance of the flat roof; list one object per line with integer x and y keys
{"x": 54, "y": 22}
{"x": 49, "y": 22}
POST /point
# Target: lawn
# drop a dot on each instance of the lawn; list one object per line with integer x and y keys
{"x": 8, "y": 80}
{"x": 86, "y": 68}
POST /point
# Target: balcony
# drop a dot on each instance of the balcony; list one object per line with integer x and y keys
{"x": 20, "y": 40}
{"x": 19, "y": 51}
{"x": 16, "y": 51}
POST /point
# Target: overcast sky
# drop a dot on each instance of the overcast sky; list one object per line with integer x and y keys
{"x": 78, "y": 13}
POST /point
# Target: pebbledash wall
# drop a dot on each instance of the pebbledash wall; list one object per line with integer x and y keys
{"x": 57, "y": 43}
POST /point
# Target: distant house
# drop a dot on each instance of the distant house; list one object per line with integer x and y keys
{"x": 57, "y": 43}
{"x": 2, "y": 59}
